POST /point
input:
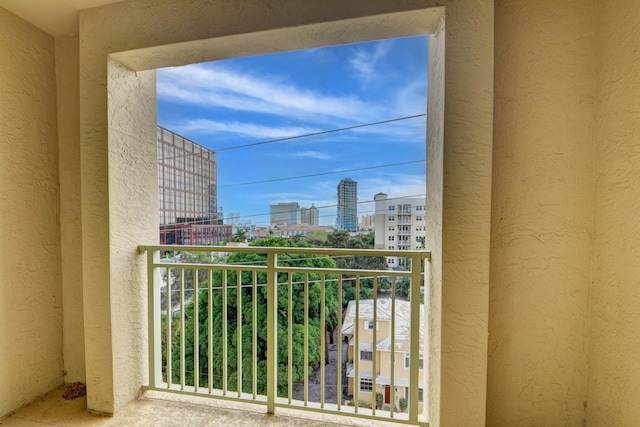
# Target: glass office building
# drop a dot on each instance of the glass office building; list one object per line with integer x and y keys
{"x": 187, "y": 183}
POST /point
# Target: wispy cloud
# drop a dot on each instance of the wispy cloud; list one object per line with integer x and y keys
{"x": 247, "y": 129}
{"x": 365, "y": 59}
{"x": 215, "y": 86}
{"x": 312, "y": 154}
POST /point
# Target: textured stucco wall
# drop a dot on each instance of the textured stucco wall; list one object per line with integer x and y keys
{"x": 133, "y": 194}
{"x": 614, "y": 365}
{"x": 542, "y": 212}
{"x": 433, "y": 222}
{"x": 146, "y": 34}
{"x": 68, "y": 105}
{"x": 30, "y": 284}
{"x": 466, "y": 209}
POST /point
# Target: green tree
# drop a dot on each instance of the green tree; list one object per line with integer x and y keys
{"x": 239, "y": 236}
{"x": 243, "y": 322}
{"x": 342, "y": 239}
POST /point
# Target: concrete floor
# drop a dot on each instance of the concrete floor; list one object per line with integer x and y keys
{"x": 162, "y": 409}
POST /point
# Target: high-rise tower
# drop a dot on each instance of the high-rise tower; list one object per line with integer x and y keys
{"x": 347, "y": 205}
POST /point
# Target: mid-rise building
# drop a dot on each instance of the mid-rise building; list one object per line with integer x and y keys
{"x": 284, "y": 214}
{"x": 386, "y": 343}
{"x": 347, "y": 205}
{"x": 399, "y": 224}
{"x": 187, "y": 184}
{"x": 367, "y": 222}
{"x": 309, "y": 216}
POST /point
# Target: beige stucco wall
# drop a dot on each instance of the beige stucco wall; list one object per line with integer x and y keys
{"x": 542, "y": 212}
{"x": 143, "y": 34}
{"x": 460, "y": 263}
{"x": 147, "y": 29}
{"x": 614, "y": 365}
{"x": 30, "y": 284}
{"x": 68, "y": 107}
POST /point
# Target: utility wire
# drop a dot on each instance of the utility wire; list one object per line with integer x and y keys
{"x": 288, "y": 138}
{"x": 321, "y": 174}
{"x": 320, "y": 133}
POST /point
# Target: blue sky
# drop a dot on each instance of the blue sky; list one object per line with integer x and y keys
{"x": 247, "y": 100}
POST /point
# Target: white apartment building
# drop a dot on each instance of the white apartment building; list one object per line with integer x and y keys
{"x": 399, "y": 224}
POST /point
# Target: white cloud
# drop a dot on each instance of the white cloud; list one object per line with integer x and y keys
{"x": 412, "y": 98}
{"x": 395, "y": 185}
{"x": 312, "y": 154}
{"x": 365, "y": 59}
{"x": 213, "y": 85}
{"x": 246, "y": 129}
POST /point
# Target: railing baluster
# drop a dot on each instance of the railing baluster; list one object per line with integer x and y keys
{"x": 339, "y": 373}
{"x": 323, "y": 339}
{"x": 392, "y": 354}
{"x": 182, "y": 329}
{"x": 210, "y": 336}
{"x": 196, "y": 331}
{"x": 225, "y": 338}
{"x": 169, "y": 320}
{"x": 356, "y": 347}
{"x": 272, "y": 333}
{"x": 290, "y": 338}
{"x": 414, "y": 346}
{"x": 374, "y": 390}
{"x": 306, "y": 338}
{"x": 254, "y": 330}
{"x": 155, "y": 314}
{"x": 239, "y": 330}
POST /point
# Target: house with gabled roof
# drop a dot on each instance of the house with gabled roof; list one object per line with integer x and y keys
{"x": 385, "y": 356}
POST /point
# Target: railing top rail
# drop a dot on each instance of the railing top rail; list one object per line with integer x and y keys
{"x": 424, "y": 254}
{"x": 286, "y": 268}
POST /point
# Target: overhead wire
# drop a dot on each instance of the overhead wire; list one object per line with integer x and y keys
{"x": 322, "y": 174}
{"x": 306, "y": 135}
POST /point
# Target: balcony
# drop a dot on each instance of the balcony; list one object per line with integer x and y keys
{"x": 294, "y": 311}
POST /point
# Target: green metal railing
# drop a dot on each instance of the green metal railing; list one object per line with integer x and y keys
{"x": 198, "y": 311}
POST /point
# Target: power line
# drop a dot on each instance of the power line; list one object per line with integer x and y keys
{"x": 288, "y": 138}
{"x": 321, "y": 174}
{"x": 320, "y": 133}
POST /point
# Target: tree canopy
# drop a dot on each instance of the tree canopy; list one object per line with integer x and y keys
{"x": 240, "y": 322}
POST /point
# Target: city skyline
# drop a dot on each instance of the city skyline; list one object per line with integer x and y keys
{"x": 306, "y": 96}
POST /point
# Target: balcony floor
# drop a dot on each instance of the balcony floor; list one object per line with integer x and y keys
{"x": 161, "y": 409}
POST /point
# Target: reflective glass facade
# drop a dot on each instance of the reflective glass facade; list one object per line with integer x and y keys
{"x": 187, "y": 183}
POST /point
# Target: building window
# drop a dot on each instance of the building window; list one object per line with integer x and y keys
{"x": 368, "y": 325}
{"x": 366, "y": 384}
{"x": 391, "y": 208}
{"x": 392, "y": 218}
{"x": 392, "y": 238}
{"x": 392, "y": 228}
{"x": 406, "y": 361}
{"x": 366, "y": 355}
{"x": 420, "y": 394}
